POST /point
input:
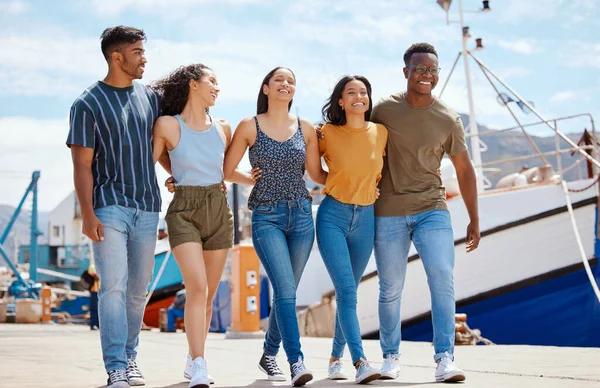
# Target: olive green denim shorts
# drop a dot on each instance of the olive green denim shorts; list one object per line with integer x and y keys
{"x": 200, "y": 214}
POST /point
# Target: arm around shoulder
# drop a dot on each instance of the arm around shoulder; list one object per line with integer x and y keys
{"x": 243, "y": 137}
{"x": 313, "y": 155}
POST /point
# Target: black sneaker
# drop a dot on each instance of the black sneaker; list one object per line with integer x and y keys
{"x": 117, "y": 379}
{"x": 268, "y": 364}
{"x": 134, "y": 376}
{"x": 300, "y": 375}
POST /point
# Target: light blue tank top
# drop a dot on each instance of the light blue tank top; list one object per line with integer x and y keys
{"x": 197, "y": 160}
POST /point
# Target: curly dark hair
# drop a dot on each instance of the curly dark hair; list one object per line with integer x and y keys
{"x": 262, "y": 102}
{"x": 174, "y": 89}
{"x": 333, "y": 112}
{"x": 418, "y": 48}
{"x": 114, "y": 38}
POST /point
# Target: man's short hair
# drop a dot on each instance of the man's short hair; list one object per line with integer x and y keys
{"x": 417, "y": 48}
{"x": 114, "y": 38}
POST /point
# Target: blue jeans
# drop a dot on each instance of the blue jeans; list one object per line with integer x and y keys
{"x": 283, "y": 235}
{"x": 124, "y": 261}
{"x": 172, "y": 315}
{"x": 431, "y": 232}
{"x": 345, "y": 234}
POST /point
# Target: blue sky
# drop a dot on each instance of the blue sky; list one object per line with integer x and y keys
{"x": 548, "y": 50}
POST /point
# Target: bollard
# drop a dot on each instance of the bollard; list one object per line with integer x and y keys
{"x": 245, "y": 292}
{"x": 46, "y": 296}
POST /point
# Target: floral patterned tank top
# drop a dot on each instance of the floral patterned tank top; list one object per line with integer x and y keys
{"x": 283, "y": 165}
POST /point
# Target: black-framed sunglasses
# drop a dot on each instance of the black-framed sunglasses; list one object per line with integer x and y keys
{"x": 422, "y": 69}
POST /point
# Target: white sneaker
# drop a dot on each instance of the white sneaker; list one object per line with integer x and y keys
{"x": 300, "y": 375}
{"x": 199, "y": 374}
{"x": 187, "y": 372}
{"x": 366, "y": 373}
{"x": 336, "y": 371}
{"x": 391, "y": 367}
{"x": 447, "y": 372}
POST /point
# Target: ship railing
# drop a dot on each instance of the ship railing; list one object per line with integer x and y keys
{"x": 586, "y": 152}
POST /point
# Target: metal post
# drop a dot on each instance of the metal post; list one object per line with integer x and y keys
{"x": 33, "y": 259}
{"x": 236, "y": 215}
{"x": 594, "y": 144}
{"x": 473, "y": 130}
{"x": 16, "y": 213}
{"x": 558, "y": 156}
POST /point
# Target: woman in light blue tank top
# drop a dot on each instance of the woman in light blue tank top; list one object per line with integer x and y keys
{"x": 190, "y": 145}
{"x": 282, "y": 146}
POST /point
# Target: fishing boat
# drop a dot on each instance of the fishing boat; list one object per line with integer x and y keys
{"x": 533, "y": 279}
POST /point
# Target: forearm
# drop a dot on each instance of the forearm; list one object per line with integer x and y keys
{"x": 165, "y": 162}
{"x": 241, "y": 178}
{"x": 319, "y": 177}
{"x": 84, "y": 187}
{"x": 467, "y": 183}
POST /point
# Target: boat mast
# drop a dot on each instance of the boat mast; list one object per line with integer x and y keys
{"x": 472, "y": 128}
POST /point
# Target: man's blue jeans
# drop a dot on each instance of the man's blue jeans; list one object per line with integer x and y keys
{"x": 345, "y": 235}
{"x": 283, "y": 236}
{"x": 124, "y": 261}
{"x": 431, "y": 232}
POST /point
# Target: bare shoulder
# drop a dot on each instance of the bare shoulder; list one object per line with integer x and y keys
{"x": 224, "y": 124}
{"x": 308, "y": 129}
{"x": 166, "y": 124}
{"x": 247, "y": 126}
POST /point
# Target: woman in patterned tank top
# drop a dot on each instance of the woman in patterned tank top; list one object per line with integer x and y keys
{"x": 283, "y": 146}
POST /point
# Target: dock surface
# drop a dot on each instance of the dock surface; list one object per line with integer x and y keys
{"x": 70, "y": 356}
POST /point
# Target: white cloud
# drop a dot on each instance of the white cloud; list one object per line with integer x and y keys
{"x": 65, "y": 60}
{"x": 13, "y": 7}
{"x": 515, "y": 72}
{"x": 582, "y": 55}
{"x": 181, "y": 7}
{"x": 28, "y": 145}
{"x": 563, "y": 96}
{"x": 514, "y": 11}
{"x": 521, "y": 46}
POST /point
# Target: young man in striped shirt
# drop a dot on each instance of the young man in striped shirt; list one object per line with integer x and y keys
{"x": 110, "y": 138}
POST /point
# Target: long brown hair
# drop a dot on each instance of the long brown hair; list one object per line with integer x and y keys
{"x": 262, "y": 102}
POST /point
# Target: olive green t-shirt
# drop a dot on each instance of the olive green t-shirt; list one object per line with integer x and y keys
{"x": 418, "y": 137}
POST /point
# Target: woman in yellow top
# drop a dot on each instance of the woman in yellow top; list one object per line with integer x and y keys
{"x": 353, "y": 149}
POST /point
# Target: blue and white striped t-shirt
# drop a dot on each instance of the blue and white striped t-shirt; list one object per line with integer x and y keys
{"x": 117, "y": 123}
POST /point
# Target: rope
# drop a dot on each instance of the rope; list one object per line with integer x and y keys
{"x": 464, "y": 335}
{"x": 579, "y": 243}
{"x": 585, "y": 188}
{"x": 158, "y": 275}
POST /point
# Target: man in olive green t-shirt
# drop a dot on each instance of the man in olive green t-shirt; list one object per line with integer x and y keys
{"x": 412, "y": 207}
